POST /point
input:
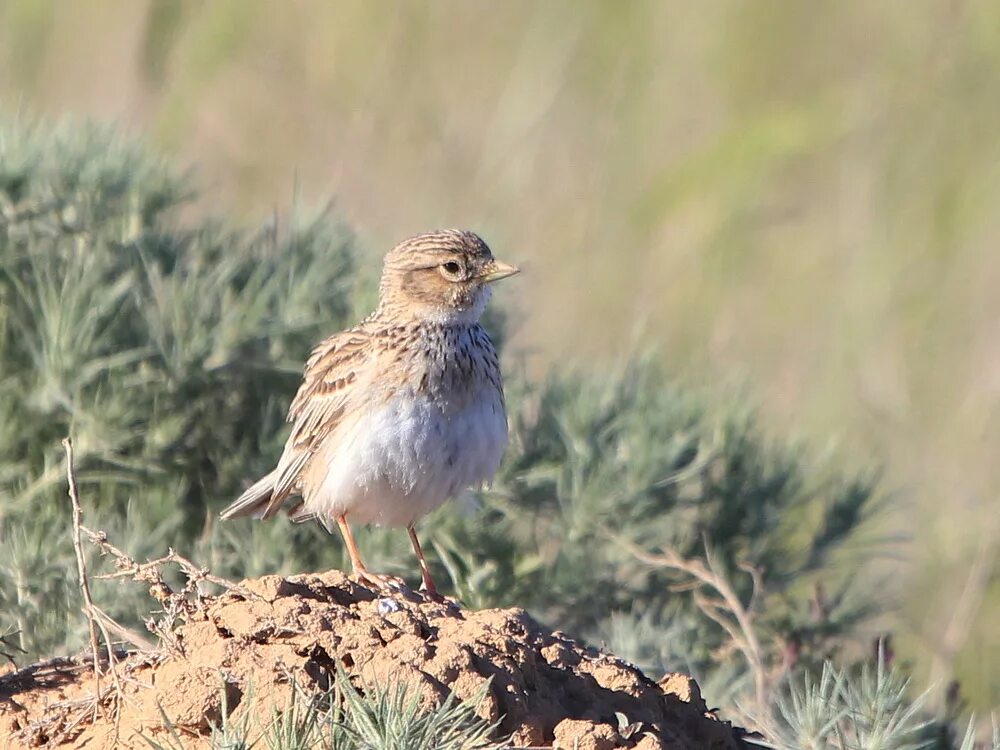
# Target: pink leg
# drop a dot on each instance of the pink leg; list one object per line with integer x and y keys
{"x": 360, "y": 569}
{"x": 425, "y": 571}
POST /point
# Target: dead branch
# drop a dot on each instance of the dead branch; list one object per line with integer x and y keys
{"x": 6, "y": 643}
{"x": 126, "y": 634}
{"x": 176, "y": 604}
{"x": 81, "y": 562}
{"x": 97, "y": 619}
{"x": 727, "y": 611}
{"x": 150, "y": 571}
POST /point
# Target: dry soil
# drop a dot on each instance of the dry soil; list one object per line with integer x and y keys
{"x": 545, "y": 689}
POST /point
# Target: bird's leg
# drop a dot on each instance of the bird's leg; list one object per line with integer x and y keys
{"x": 425, "y": 570}
{"x": 360, "y": 569}
{"x": 352, "y": 548}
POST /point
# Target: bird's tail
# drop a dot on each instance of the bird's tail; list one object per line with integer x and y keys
{"x": 255, "y": 501}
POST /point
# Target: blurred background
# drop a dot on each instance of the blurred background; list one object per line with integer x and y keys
{"x": 796, "y": 201}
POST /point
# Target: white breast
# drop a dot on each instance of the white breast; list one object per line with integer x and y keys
{"x": 402, "y": 460}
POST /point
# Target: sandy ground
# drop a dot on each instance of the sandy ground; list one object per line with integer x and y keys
{"x": 256, "y": 640}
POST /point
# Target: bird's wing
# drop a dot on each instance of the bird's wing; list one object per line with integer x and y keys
{"x": 329, "y": 388}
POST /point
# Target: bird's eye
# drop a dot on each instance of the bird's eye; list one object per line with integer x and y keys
{"x": 452, "y": 268}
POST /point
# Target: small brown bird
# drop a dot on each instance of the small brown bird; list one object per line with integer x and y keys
{"x": 401, "y": 412}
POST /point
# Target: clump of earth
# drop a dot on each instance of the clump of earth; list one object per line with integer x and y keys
{"x": 248, "y": 648}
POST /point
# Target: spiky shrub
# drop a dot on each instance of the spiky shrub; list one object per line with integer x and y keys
{"x": 374, "y": 716}
{"x": 170, "y": 350}
{"x": 869, "y": 708}
{"x": 608, "y": 468}
{"x": 167, "y": 351}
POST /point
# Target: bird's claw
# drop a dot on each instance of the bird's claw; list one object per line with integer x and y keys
{"x": 380, "y": 580}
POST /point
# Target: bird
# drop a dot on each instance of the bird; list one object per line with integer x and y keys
{"x": 401, "y": 412}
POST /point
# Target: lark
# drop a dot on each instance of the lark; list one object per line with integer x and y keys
{"x": 401, "y": 412}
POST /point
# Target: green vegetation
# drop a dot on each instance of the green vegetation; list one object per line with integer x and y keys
{"x": 377, "y": 717}
{"x": 799, "y": 196}
{"x": 629, "y": 511}
{"x": 868, "y": 710}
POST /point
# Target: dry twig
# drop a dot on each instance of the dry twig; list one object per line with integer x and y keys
{"x": 7, "y": 645}
{"x": 175, "y": 604}
{"x": 149, "y": 571}
{"x": 97, "y": 619}
{"x": 726, "y": 610}
{"x": 81, "y": 563}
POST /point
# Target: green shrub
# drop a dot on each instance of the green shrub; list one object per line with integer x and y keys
{"x": 170, "y": 350}
{"x": 377, "y": 717}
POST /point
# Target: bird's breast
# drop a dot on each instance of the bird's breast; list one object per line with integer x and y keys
{"x": 432, "y": 425}
{"x": 421, "y": 438}
{"x": 416, "y": 440}
{"x": 408, "y": 456}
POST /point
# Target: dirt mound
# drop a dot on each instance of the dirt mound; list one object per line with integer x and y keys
{"x": 546, "y": 690}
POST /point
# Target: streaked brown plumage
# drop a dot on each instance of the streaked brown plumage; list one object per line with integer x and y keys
{"x": 404, "y": 410}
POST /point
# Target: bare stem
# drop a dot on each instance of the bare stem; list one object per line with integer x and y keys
{"x": 81, "y": 562}
{"x": 728, "y": 610}
{"x": 97, "y": 619}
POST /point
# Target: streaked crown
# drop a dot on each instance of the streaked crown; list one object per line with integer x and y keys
{"x": 442, "y": 276}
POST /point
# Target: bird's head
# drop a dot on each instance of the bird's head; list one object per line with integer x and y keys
{"x": 443, "y": 276}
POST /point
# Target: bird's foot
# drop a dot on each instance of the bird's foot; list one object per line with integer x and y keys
{"x": 379, "y": 580}
{"x": 430, "y": 593}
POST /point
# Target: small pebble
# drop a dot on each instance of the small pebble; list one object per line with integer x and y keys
{"x": 387, "y": 606}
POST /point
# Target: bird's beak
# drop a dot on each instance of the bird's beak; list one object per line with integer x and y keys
{"x": 497, "y": 270}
